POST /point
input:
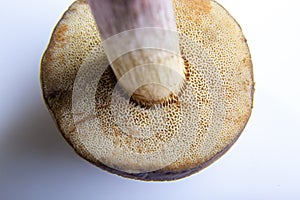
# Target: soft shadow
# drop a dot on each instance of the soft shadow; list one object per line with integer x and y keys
{"x": 33, "y": 134}
{"x": 36, "y": 160}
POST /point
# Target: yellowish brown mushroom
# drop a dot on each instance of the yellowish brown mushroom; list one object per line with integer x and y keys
{"x": 166, "y": 141}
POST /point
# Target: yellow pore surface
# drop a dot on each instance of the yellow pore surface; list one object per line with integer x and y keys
{"x": 208, "y": 115}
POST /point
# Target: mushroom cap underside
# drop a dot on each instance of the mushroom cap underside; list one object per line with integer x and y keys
{"x": 164, "y": 142}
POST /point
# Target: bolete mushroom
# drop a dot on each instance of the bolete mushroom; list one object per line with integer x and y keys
{"x": 163, "y": 138}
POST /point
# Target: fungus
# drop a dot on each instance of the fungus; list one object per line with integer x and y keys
{"x": 160, "y": 139}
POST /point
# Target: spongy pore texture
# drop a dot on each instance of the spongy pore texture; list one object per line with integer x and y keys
{"x": 163, "y": 142}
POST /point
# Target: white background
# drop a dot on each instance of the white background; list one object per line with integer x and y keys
{"x": 36, "y": 163}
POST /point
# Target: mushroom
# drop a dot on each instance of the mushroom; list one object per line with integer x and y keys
{"x": 162, "y": 139}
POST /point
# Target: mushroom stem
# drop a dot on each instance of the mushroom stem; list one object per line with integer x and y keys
{"x": 142, "y": 46}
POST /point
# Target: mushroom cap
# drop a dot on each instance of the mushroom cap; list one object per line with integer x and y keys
{"x": 168, "y": 141}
